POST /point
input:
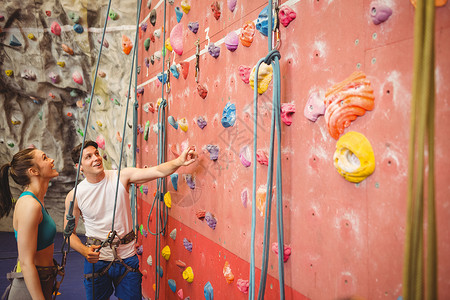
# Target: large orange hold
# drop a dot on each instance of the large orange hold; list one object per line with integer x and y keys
{"x": 247, "y": 33}
{"x": 127, "y": 45}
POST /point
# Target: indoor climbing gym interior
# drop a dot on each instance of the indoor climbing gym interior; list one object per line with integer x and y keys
{"x": 304, "y": 143}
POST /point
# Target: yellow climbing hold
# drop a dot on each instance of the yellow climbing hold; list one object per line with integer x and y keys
{"x": 154, "y": 287}
{"x": 9, "y": 73}
{"x": 158, "y": 102}
{"x": 99, "y": 124}
{"x": 16, "y": 122}
{"x": 185, "y": 6}
{"x": 165, "y": 252}
{"x": 264, "y": 77}
{"x": 188, "y": 274}
{"x": 168, "y": 200}
{"x": 31, "y": 36}
{"x": 354, "y": 158}
{"x": 61, "y": 64}
{"x": 168, "y": 45}
{"x": 183, "y": 123}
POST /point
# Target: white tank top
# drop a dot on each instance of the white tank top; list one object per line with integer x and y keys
{"x": 96, "y": 203}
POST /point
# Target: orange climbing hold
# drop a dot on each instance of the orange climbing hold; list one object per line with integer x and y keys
{"x": 247, "y": 33}
{"x": 127, "y": 45}
{"x": 227, "y": 273}
{"x": 67, "y": 49}
{"x": 346, "y": 101}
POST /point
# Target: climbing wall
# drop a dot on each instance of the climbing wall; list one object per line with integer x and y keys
{"x": 345, "y": 236}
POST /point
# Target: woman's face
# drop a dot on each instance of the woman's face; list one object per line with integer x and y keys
{"x": 44, "y": 164}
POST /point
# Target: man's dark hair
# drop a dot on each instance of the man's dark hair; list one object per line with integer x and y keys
{"x": 76, "y": 151}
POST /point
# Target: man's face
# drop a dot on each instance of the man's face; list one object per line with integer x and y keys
{"x": 91, "y": 161}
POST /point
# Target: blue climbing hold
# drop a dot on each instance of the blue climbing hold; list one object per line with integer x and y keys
{"x": 208, "y": 291}
{"x": 160, "y": 271}
{"x": 174, "y": 180}
{"x": 229, "y": 115}
{"x": 172, "y": 122}
{"x": 13, "y": 41}
{"x": 172, "y": 285}
{"x": 179, "y": 13}
{"x": 174, "y": 71}
{"x": 78, "y": 28}
{"x": 160, "y": 77}
{"x": 262, "y": 23}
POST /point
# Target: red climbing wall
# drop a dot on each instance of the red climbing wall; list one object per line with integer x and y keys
{"x": 347, "y": 239}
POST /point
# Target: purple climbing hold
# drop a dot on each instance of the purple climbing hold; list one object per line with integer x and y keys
{"x": 201, "y": 122}
{"x": 379, "y": 13}
{"x": 54, "y": 77}
{"x": 213, "y": 151}
{"x": 214, "y": 50}
{"x": 232, "y": 41}
{"x": 193, "y": 26}
{"x": 140, "y": 90}
{"x": 144, "y": 232}
{"x": 147, "y": 62}
{"x": 144, "y": 27}
{"x": 231, "y": 5}
{"x": 229, "y": 115}
{"x": 187, "y": 245}
{"x": 190, "y": 180}
{"x": 245, "y": 156}
{"x": 145, "y": 189}
{"x": 210, "y": 220}
{"x": 140, "y": 250}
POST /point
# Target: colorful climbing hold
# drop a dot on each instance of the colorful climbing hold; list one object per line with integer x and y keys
{"x": 127, "y": 45}
{"x": 78, "y": 28}
{"x": 190, "y": 180}
{"x": 185, "y": 6}
{"x": 149, "y": 260}
{"x": 244, "y": 197}
{"x": 149, "y": 4}
{"x": 9, "y": 73}
{"x": 180, "y": 293}
{"x": 228, "y": 115}
{"x": 165, "y": 252}
{"x": 261, "y": 157}
{"x": 232, "y": 41}
{"x": 140, "y": 250}
{"x": 174, "y": 71}
{"x": 347, "y": 100}
{"x": 54, "y": 77}
{"x": 168, "y": 45}
{"x": 178, "y": 13}
{"x": 213, "y": 152}
{"x": 202, "y": 91}
{"x": 31, "y": 36}
{"x": 172, "y": 122}
{"x": 354, "y": 158}
{"x": 159, "y": 269}
{"x": 379, "y": 12}
{"x": 215, "y": 7}
{"x": 176, "y": 39}
{"x": 55, "y": 28}
{"x": 173, "y": 234}
{"x": 105, "y": 42}
{"x": 28, "y": 75}
{"x": 287, "y": 110}
{"x": 146, "y": 130}
{"x": 144, "y": 27}
{"x": 261, "y": 199}
{"x": 200, "y": 214}
{"x": 264, "y": 77}
{"x": 242, "y": 285}
{"x": 231, "y": 5}
{"x": 147, "y": 44}
{"x": 77, "y": 78}
{"x": 80, "y": 132}
{"x": 113, "y": 15}
{"x": 100, "y": 140}
{"x": 184, "y": 68}
{"x": 61, "y": 64}
{"x": 214, "y": 50}
{"x": 183, "y": 123}
{"x": 13, "y": 41}
{"x": 168, "y": 200}
{"x": 315, "y": 107}
{"x": 187, "y": 244}
{"x": 172, "y": 285}
{"x": 286, "y": 15}
{"x": 247, "y": 33}
{"x": 180, "y": 264}
{"x": 157, "y": 33}
{"x": 188, "y": 275}
{"x": 286, "y": 251}
{"x": 210, "y": 220}
{"x": 201, "y": 122}
{"x": 229, "y": 277}
{"x": 74, "y": 17}
{"x": 193, "y": 26}
{"x": 245, "y": 156}
{"x": 48, "y": 13}
{"x": 174, "y": 180}
{"x": 152, "y": 17}
{"x": 101, "y": 74}
{"x": 67, "y": 49}
{"x": 160, "y": 77}
{"x": 262, "y": 23}
{"x": 208, "y": 291}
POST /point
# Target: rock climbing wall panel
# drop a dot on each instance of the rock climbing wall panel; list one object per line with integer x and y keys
{"x": 346, "y": 71}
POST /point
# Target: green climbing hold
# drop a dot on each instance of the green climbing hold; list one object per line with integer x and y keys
{"x": 116, "y": 102}
{"x": 113, "y": 15}
{"x": 141, "y": 189}
{"x": 11, "y": 144}
{"x": 80, "y": 132}
{"x": 98, "y": 102}
{"x": 141, "y": 227}
{"x": 87, "y": 100}
{"x": 147, "y": 43}
{"x": 73, "y": 93}
{"x": 74, "y": 17}
{"x": 40, "y": 115}
{"x": 147, "y": 127}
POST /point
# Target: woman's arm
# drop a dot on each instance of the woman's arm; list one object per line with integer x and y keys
{"x": 29, "y": 215}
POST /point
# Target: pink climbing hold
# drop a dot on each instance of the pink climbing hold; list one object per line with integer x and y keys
{"x": 184, "y": 68}
{"x": 232, "y": 41}
{"x": 100, "y": 140}
{"x": 287, "y": 251}
{"x": 76, "y": 76}
{"x": 231, "y": 5}
{"x": 215, "y": 7}
{"x": 180, "y": 293}
{"x": 244, "y": 72}
{"x": 244, "y": 197}
{"x": 202, "y": 91}
{"x": 286, "y": 15}
{"x": 176, "y": 39}
{"x": 261, "y": 157}
{"x": 55, "y": 28}
{"x": 315, "y": 107}
{"x": 245, "y": 156}
{"x": 287, "y": 109}
{"x": 242, "y": 285}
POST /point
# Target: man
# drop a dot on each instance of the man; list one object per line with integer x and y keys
{"x": 95, "y": 203}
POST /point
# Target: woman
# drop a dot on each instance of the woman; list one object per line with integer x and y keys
{"x": 34, "y": 228}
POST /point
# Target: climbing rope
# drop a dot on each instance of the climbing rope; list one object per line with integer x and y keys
{"x": 422, "y": 132}
{"x": 272, "y": 58}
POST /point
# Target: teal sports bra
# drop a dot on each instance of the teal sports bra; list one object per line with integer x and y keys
{"x": 46, "y": 229}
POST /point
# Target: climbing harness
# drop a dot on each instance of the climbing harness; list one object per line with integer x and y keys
{"x": 272, "y": 58}
{"x": 197, "y": 60}
{"x": 422, "y": 132}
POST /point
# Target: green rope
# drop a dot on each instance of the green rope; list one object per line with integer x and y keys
{"x": 421, "y": 137}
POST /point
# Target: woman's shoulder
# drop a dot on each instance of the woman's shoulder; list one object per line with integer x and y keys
{"x": 28, "y": 203}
